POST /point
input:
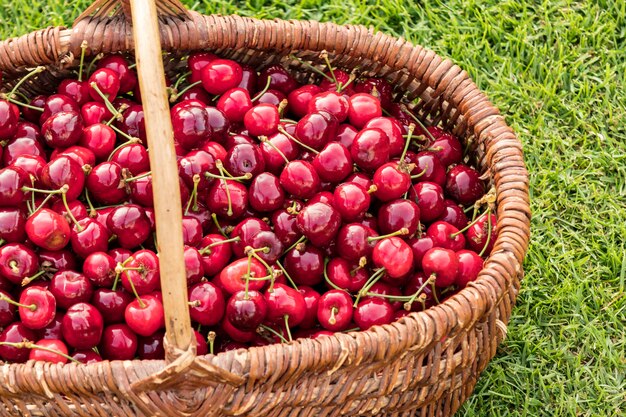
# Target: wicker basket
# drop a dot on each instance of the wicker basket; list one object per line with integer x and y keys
{"x": 425, "y": 364}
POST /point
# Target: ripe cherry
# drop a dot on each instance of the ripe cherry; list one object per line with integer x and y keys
{"x": 420, "y": 246}
{"x": 246, "y": 310}
{"x": 397, "y": 215}
{"x": 353, "y": 241}
{"x": 46, "y": 350}
{"x": 429, "y": 198}
{"x": 319, "y": 222}
{"x": 130, "y": 224}
{"x": 370, "y": 149}
{"x": 299, "y": 99}
{"x": 332, "y": 102}
{"x": 145, "y": 315}
{"x": 82, "y": 326}
{"x": 373, "y": 311}
{"x": 443, "y": 263}
{"x": 220, "y": 75}
{"x": 191, "y": 125}
{"x": 393, "y": 129}
{"x": 393, "y": 254}
{"x": 300, "y": 179}
{"x": 363, "y": 108}
{"x": 285, "y": 305}
{"x": 334, "y": 311}
{"x": 391, "y": 180}
{"x": 118, "y": 64}
{"x": 105, "y": 81}
{"x": 151, "y": 347}
{"x": 142, "y": 269}
{"x": 227, "y": 198}
{"x": 244, "y": 159}
{"x": 63, "y": 171}
{"x": 48, "y": 229}
{"x": 207, "y": 303}
{"x": 262, "y": 120}
{"x": 15, "y": 333}
{"x": 9, "y": 116}
{"x": 89, "y": 236}
{"x": 482, "y": 235}
{"x": 444, "y": 235}
{"x": 470, "y": 265}
{"x": 233, "y": 277}
{"x": 305, "y": 265}
{"x": 62, "y": 129}
{"x": 464, "y": 185}
{"x": 446, "y": 146}
{"x": 429, "y": 167}
{"x": 454, "y": 215}
{"x": 12, "y": 180}
{"x": 69, "y": 288}
{"x": 17, "y": 261}
{"x": 333, "y": 163}
{"x": 119, "y": 342}
{"x": 234, "y": 103}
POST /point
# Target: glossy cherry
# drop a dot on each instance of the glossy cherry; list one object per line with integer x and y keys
{"x": 353, "y": 243}
{"x": 363, "y": 108}
{"x": 482, "y": 235}
{"x": 445, "y": 235}
{"x": 12, "y": 179}
{"x": 69, "y": 288}
{"x": 142, "y": 268}
{"x": 233, "y": 276}
{"x": 48, "y": 229}
{"x": 300, "y": 179}
{"x": 333, "y": 163}
{"x": 130, "y": 224}
{"x": 464, "y": 185}
{"x": 17, "y": 261}
{"x": 470, "y": 265}
{"x": 105, "y": 80}
{"x": 220, "y": 75}
{"x": 346, "y": 275}
{"x": 15, "y": 333}
{"x": 391, "y": 180}
{"x": 145, "y": 315}
{"x": 119, "y": 342}
{"x": 454, "y": 215}
{"x": 334, "y": 310}
{"x": 373, "y": 311}
{"x": 399, "y": 214}
{"x": 443, "y": 264}
{"x": 151, "y": 347}
{"x": 319, "y": 222}
{"x": 207, "y": 303}
{"x": 370, "y": 149}
{"x": 305, "y": 265}
{"x": 285, "y": 305}
{"x": 227, "y": 198}
{"x": 393, "y": 129}
{"x": 393, "y": 254}
{"x": 246, "y": 310}
{"x": 429, "y": 198}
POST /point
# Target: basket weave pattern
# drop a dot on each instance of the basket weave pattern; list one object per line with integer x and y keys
{"x": 427, "y": 362}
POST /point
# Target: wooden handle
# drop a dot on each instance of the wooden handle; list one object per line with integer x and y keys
{"x": 167, "y": 204}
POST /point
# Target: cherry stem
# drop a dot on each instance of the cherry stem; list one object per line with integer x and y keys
{"x": 2, "y": 242}
{"x": 274, "y": 332}
{"x": 247, "y": 277}
{"x": 22, "y": 104}
{"x": 244, "y": 177}
{"x": 69, "y": 212}
{"x": 418, "y": 121}
{"x": 301, "y": 240}
{"x": 37, "y": 190}
{"x": 194, "y": 303}
{"x": 175, "y": 96}
{"x": 31, "y": 307}
{"x": 211, "y": 339}
{"x": 30, "y": 345}
{"x": 324, "y": 56}
{"x": 373, "y": 188}
{"x": 361, "y": 265}
{"x": 312, "y": 68}
{"x": 194, "y": 195}
{"x": 131, "y": 141}
{"x": 132, "y": 287}
{"x": 265, "y": 139}
{"x": 308, "y": 148}
{"x": 13, "y": 265}
{"x": 282, "y": 106}
{"x": 138, "y": 177}
{"x": 92, "y": 209}
{"x": 482, "y": 252}
{"x": 341, "y": 87}
{"x": 408, "y": 141}
{"x": 403, "y": 231}
{"x": 32, "y": 73}
{"x": 229, "y": 212}
{"x": 431, "y": 281}
{"x": 422, "y": 172}
{"x": 284, "y": 271}
{"x": 217, "y": 224}
{"x": 327, "y": 279}
{"x": 207, "y": 248}
{"x": 107, "y": 102}
{"x": 93, "y": 61}
{"x": 119, "y": 268}
{"x": 369, "y": 284}
{"x": 28, "y": 280}
{"x": 260, "y": 93}
{"x": 83, "y": 48}
{"x": 463, "y": 230}
{"x": 180, "y": 79}
{"x": 332, "y": 320}
{"x": 286, "y": 316}
{"x": 118, "y": 115}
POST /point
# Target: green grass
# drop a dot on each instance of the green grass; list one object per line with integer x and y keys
{"x": 557, "y": 70}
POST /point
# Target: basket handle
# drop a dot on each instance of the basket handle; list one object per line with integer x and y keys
{"x": 167, "y": 204}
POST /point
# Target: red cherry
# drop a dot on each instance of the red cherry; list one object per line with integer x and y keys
{"x": 280, "y": 79}
{"x": 334, "y": 310}
{"x": 454, "y": 215}
{"x": 60, "y": 260}
{"x": 235, "y": 103}
{"x": 111, "y": 304}
{"x": 233, "y": 276}
{"x": 373, "y": 312}
{"x": 37, "y": 307}
{"x": 220, "y": 75}
{"x": 377, "y": 87}
{"x": 133, "y": 123}
{"x": 262, "y": 120}
{"x": 311, "y": 301}
{"x": 86, "y": 356}
{"x": 62, "y": 129}
{"x": 191, "y": 125}
{"x": 300, "y": 179}
{"x": 53, "y": 329}
{"x": 274, "y": 161}
{"x": 7, "y": 310}
{"x": 12, "y": 179}
{"x": 17, "y": 262}
{"x": 333, "y": 163}
{"x": 69, "y": 288}
{"x": 64, "y": 171}
{"x": 393, "y": 254}
{"x": 443, "y": 263}
{"x": 420, "y": 246}
{"x": 119, "y": 64}
{"x": 482, "y": 235}
{"x": 95, "y": 112}
{"x": 346, "y": 134}
{"x": 345, "y": 275}
{"x": 285, "y": 227}
{"x": 242, "y": 336}
{"x": 305, "y": 265}
{"x": 220, "y": 125}
{"x": 9, "y": 116}
{"x": 215, "y": 257}
{"x": 145, "y": 315}
{"x": 470, "y": 265}
{"x": 46, "y": 355}
{"x": 105, "y": 183}
{"x": 446, "y": 146}
{"x": 99, "y": 268}
{"x": 105, "y": 80}
{"x": 82, "y": 326}
{"x": 143, "y": 270}
{"x": 22, "y": 147}
{"x": 363, "y": 108}
{"x": 210, "y": 303}
{"x": 48, "y": 229}
{"x": 352, "y": 241}
{"x": 391, "y": 181}
{"x": 299, "y": 99}
{"x": 285, "y": 305}
{"x": 89, "y": 236}
{"x": 151, "y": 347}
{"x": 370, "y": 149}
{"x": 316, "y": 129}
{"x": 319, "y": 222}
{"x": 57, "y": 103}
{"x": 464, "y": 185}
{"x": 130, "y": 224}
{"x": 332, "y": 102}
{"x": 244, "y": 159}
{"x": 429, "y": 197}
{"x": 15, "y": 333}
{"x": 100, "y": 139}
{"x": 196, "y": 62}
{"x": 444, "y": 235}
{"x": 119, "y": 342}
{"x": 246, "y": 310}
{"x": 429, "y": 167}
{"x": 397, "y": 215}
{"x": 393, "y": 129}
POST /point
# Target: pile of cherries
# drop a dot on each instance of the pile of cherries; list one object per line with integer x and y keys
{"x": 308, "y": 209}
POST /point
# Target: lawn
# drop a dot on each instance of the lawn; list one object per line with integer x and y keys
{"x": 557, "y": 70}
